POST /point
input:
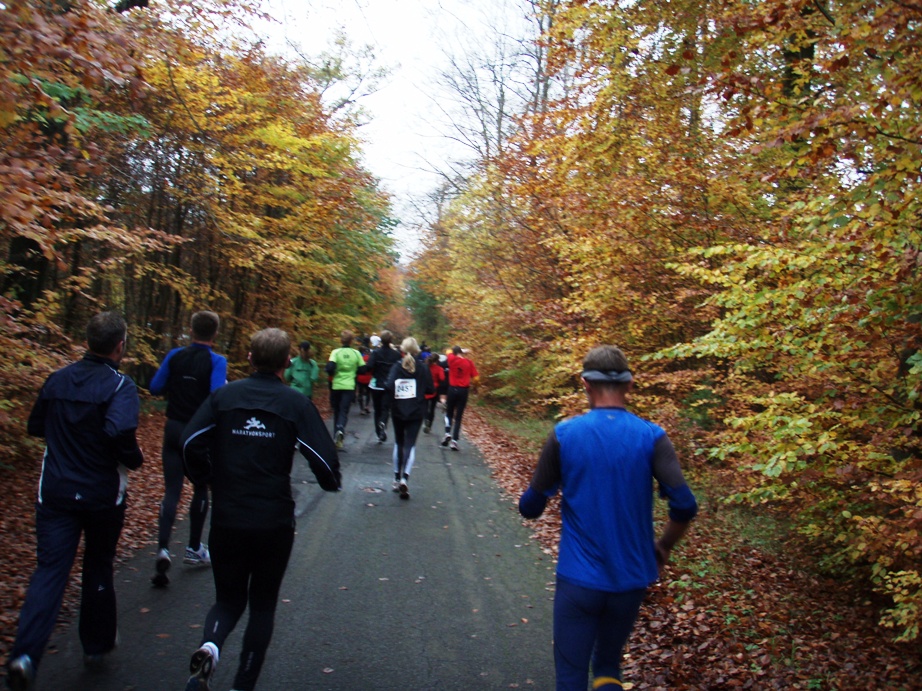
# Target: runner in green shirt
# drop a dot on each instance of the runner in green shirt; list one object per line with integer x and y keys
{"x": 303, "y": 372}
{"x": 343, "y": 365}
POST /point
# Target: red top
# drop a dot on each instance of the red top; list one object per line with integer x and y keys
{"x": 460, "y": 370}
{"x": 364, "y": 378}
{"x": 438, "y": 375}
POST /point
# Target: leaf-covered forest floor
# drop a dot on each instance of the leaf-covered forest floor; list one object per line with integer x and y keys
{"x": 732, "y": 611}
{"x": 729, "y": 613}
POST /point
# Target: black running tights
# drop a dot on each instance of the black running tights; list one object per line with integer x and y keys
{"x": 248, "y": 568}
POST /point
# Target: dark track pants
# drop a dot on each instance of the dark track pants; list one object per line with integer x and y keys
{"x": 455, "y": 404}
{"x": 591, "y": 624}
{"x": 248, "y": 567}
{"x": 431, "y": 404}
{"x": 379, "y": 401}
{"x": 341, "y": 401}
{"x": 172, "y": 482}
{"x": 57, "y": 537}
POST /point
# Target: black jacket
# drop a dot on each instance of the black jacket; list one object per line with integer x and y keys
{"x": 379, "y": 364}
{"x": 88, "y": 415}
{"x": 408, "y": 391}
{"x": 241, "y": 442}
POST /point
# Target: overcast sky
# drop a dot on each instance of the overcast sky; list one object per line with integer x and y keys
{"x": 405, "y": 136}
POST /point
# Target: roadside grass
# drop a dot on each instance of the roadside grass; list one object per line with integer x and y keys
{"x": 528, "y": 432}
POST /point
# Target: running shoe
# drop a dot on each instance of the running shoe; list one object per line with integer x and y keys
{"x": 446, "y": 439}
{"x": 427, "y": 426}
{"x": 339, "y": 438}
{"x": 382, "y": 432}
{"x": 454, "y": 445}
{"x": 20, "y": 675}
{"x": 396, "y": 487}
{"x": 161, "y": 566}
{"x": 201, "y": 667}
{"x": 404, "y": 490}
{"x": 96, "y": 662}
{"x": 197, "y": 557}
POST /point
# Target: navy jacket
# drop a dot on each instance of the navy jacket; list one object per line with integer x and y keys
{"x": 241, "y": 442}
{"x": 88, "y": 414}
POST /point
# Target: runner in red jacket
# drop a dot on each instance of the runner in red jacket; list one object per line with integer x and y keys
{"x": 461, "y": 371}
{"x": 438, "y": 376}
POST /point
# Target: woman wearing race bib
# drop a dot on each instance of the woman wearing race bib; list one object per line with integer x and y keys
{"x": 407, "y": 384}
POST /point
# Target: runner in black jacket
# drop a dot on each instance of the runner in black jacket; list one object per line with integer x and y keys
{"x": 379, "y": 364}
{"x": 240, "y": 441}
{"x": 407, "y": 385}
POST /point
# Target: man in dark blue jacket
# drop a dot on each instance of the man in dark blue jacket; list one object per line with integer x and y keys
{"x": 240, "y": 441}
{"x": 88, "y": 414}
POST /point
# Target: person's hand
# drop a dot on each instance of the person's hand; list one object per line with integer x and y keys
{"x": 662, "y": 554}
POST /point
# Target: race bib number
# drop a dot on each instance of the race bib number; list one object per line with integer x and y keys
{"x": 404, "y": 388}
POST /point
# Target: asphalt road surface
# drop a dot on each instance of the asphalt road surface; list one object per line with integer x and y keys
{"x": 443, "y": 591}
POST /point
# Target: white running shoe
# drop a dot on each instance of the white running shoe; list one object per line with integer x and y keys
{"x": 201, "y": 667}
{"x": 404, "y": 490}
{"x": 197, "y": 557}
{"x": 454, "y": 445}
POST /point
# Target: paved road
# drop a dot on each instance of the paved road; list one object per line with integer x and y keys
{"x": 444, "y": 591}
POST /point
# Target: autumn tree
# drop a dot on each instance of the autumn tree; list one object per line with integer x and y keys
{"x": 819, "y": 319}
{"x": 154, "y": 161}
{"x": 730, "y": 192}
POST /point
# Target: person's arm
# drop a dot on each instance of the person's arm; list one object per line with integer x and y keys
{"x": 318, "y": 449}
{"x": 331, "y": 369}
{"x": 35, "y": 426}
{"x": 218, "y": 371}
{"x": 121, "y": 425}
{"x": 162, "y": 376}
{"x": 545, "y": 481}
{"x": 672, "y": 533}
{"x": 197, "y": 439}
{"x": 683, "y": 507}
{"x": 315, "y": 371}
{"x": 428, "y": 386}
{"x": 392, "y": 377}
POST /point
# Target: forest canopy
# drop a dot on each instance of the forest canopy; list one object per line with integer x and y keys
{"x": 154, "y": 162}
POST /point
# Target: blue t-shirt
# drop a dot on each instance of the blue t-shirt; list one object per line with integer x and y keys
{"x": 606, "y": 478}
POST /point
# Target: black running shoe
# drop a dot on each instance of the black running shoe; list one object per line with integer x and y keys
{"x": 161, "y": 566}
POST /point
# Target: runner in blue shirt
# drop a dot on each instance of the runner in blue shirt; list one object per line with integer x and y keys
{"x": 186, "y": 377}
{"x": 604, "y": 463}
